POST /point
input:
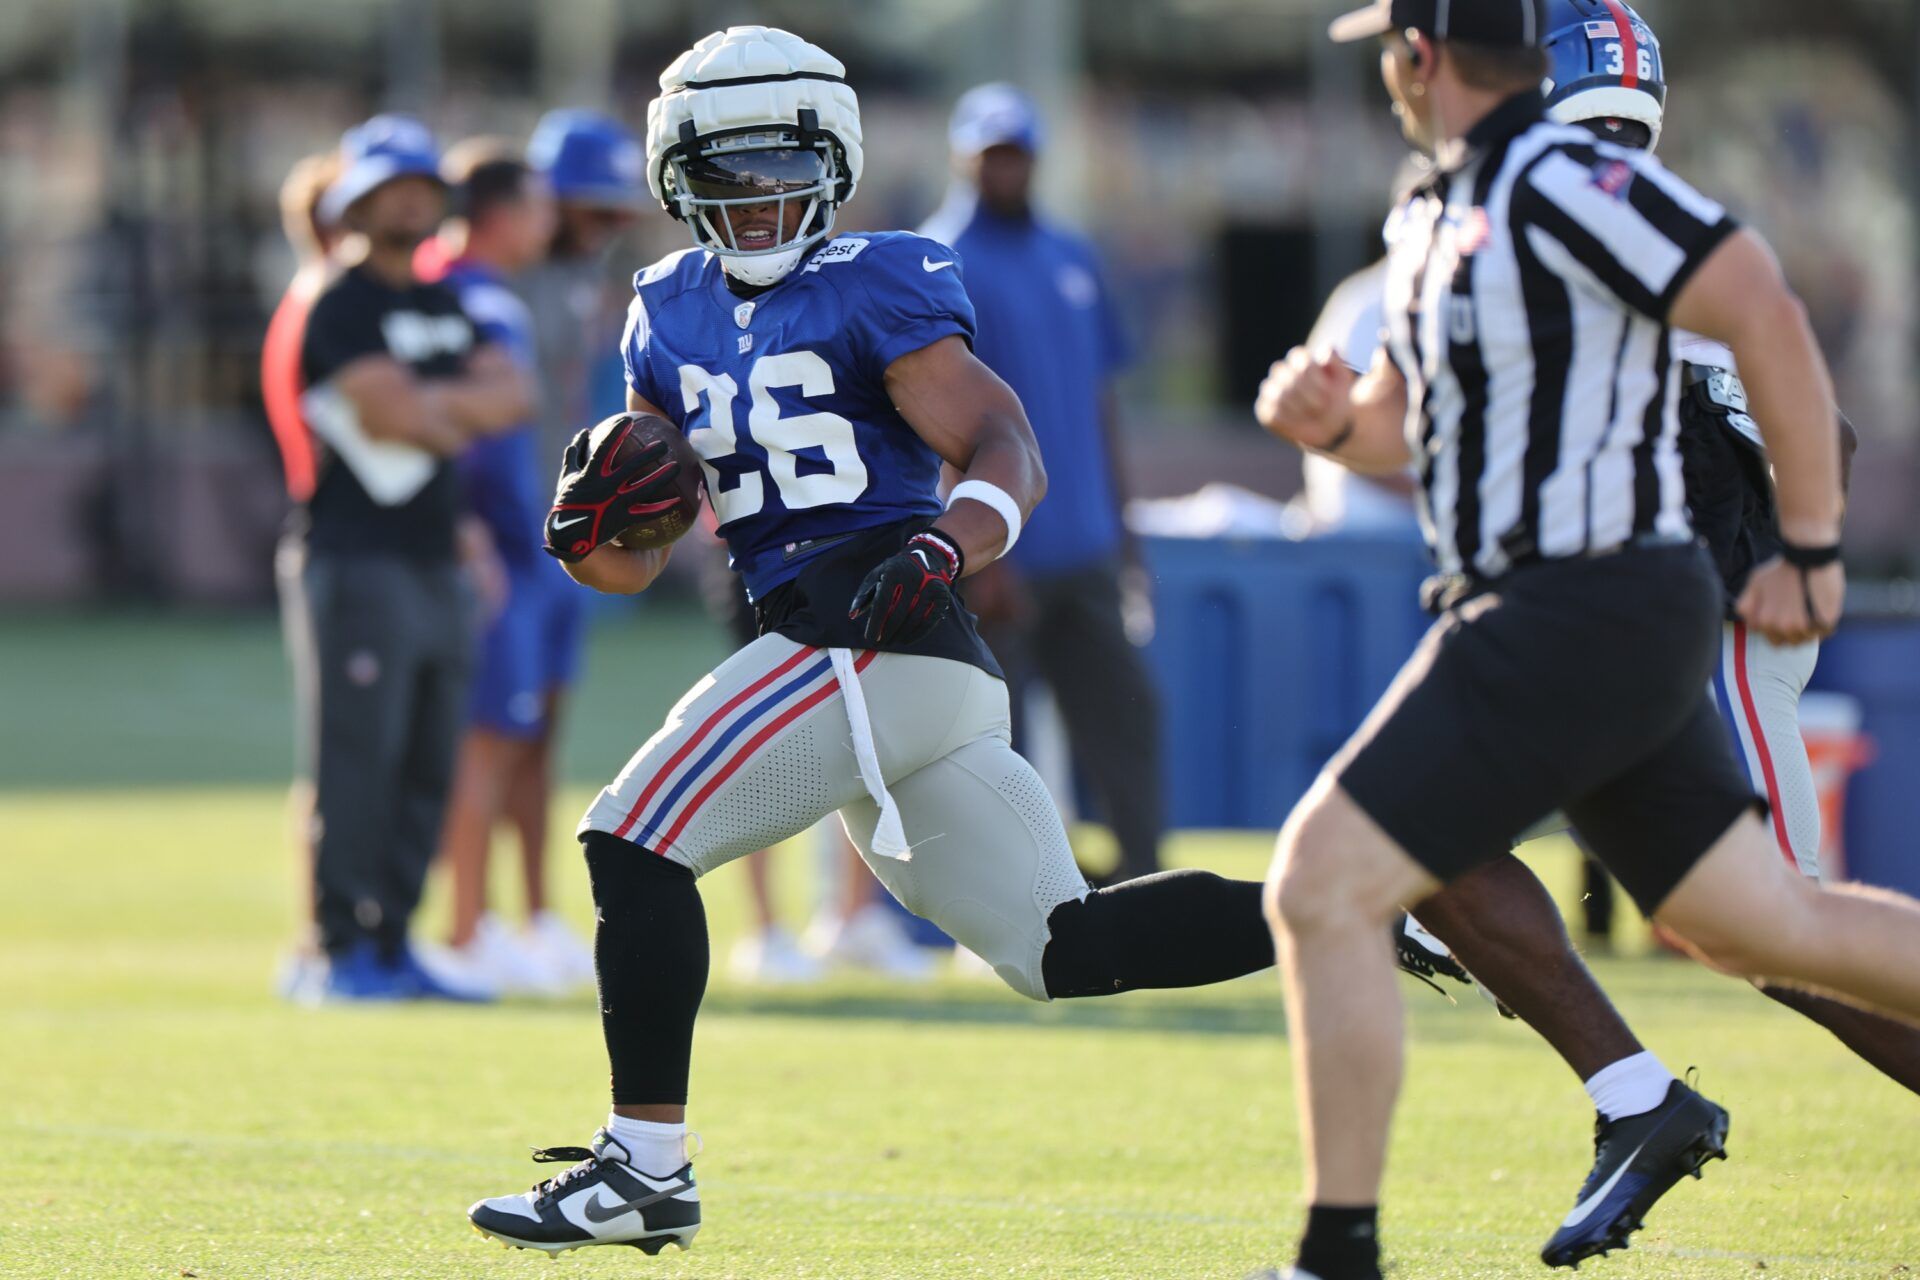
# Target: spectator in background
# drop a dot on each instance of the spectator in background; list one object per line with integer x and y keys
{"x": 502, "y": 222}
{"x": 598, "y": 174}
{"x": 312, "y": 241}
{"x": 396, "y": 385}
{"x": 1054, "y": 606}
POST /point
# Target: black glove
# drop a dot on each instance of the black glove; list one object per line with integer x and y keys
{"x": 907, "y": 593}
{"x": 598, "y": 498}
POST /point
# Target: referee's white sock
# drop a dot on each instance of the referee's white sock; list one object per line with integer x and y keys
{"x": 1629, "y": 1087}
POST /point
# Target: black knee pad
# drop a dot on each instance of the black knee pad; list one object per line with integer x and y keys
{"x": 1175, "y": 929}
{"x": 619, "y": 868}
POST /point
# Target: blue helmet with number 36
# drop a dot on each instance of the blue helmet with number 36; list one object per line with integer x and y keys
{"x": 1606, "y": 71}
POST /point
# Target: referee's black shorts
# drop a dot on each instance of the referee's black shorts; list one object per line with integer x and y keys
{"x": 1579, "y": 685}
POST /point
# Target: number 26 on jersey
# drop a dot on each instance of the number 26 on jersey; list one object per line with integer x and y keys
{"x": 827, "y": 435}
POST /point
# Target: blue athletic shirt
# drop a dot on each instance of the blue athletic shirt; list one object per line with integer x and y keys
{"x": 504, "y": 474}
{"x": 1048, "y": 326}
{"x": 783, "y": 395}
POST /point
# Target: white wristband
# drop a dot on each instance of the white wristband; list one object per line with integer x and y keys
{"x": 997, "y": 498}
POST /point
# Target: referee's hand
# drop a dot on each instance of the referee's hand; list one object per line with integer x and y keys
{"x": 1792, "y": 606}
{"x": 1307, "y": 399}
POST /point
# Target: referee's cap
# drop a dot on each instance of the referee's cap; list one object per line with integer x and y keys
{"x": 374, "y": 154}
{"x": 993, "y": 115}
{"x": 589, "y": 158}
{"x": 1513, "y": 24}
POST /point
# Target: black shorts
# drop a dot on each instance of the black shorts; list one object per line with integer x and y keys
{"x": 1579, "y": 685}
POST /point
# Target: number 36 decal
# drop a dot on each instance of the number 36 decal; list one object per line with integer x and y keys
{"x": 1616, "y": 55}
{"x": 783, "y": 437}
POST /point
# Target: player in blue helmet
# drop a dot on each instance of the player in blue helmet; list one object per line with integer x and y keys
{"x": 823, "y": 381}
{"x": 1605, "y": 71}
{"x": 1608, "y": 77}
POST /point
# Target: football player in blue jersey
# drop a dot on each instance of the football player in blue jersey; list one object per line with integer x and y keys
{"x": 823, "y": 381}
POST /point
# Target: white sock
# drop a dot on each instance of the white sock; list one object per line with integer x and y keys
{"x": 1630, "y": 1087}
{"x": 655, "y": 1148}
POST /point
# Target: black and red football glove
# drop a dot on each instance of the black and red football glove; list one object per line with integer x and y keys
{"x": 906, "y": 594}
{"x": 601, "y": 495}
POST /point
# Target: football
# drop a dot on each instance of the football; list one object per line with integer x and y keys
{"x": 671, "y": 525}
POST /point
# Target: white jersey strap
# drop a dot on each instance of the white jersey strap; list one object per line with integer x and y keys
{"x": 889, "y": 837}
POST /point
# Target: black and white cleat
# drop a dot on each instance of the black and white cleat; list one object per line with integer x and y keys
{"x": 1637, "y": 1160}
{"x": 602, "y": 1199}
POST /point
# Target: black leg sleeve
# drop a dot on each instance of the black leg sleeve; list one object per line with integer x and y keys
{"x": 650, "y": 948}
{"x": 1174, "y": 929}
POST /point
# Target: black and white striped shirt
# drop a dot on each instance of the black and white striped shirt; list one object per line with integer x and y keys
{"x": 1528, "y": 288}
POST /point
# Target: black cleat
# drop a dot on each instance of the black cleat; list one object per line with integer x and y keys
{"x": 1425, "y": 956}
{"x": 600, "y": 1200}
{"x": 1637, "y": 1159}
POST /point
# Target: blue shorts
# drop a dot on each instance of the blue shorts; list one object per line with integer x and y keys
{"x": 529, "y": 651}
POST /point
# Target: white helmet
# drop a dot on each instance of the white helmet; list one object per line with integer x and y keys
{"x": 754, "y": 117}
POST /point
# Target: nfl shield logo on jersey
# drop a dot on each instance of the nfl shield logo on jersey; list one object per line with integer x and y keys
{"x": 743, "y": 314}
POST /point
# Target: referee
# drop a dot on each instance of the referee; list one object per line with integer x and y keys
{"x": 1532, "y": 287}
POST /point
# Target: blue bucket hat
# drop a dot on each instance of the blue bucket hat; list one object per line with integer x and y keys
{"x": 589, "y": 159}
{"x": 992, "y": 115}
{"x": 375, "y": 153}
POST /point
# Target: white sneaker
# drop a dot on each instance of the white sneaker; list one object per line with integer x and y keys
{"x": 871, "y": 939}
{"x": 600, "y": 1200}
{"x": 564, "y": 952}
{"x": 772, "y": 958}
{"x": 301, "y": 977}
{"x": 516, "y": 966}
{"x": 459, "y": 969}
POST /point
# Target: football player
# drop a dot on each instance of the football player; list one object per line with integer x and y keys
{"x": 822, "y": 380}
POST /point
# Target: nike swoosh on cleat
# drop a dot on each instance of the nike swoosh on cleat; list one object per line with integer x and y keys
{"x": 929, "y": 265}
{"x": 595, "y": 1211}
{"x": 1587, "y": 1206}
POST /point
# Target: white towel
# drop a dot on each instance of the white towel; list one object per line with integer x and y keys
{"x": 889, "y": 837}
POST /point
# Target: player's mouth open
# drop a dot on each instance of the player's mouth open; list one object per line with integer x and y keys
{"x": 759, "y": 237}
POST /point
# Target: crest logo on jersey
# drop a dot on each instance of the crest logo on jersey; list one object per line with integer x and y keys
{"x": 844, "y": 249}
{"x": 1614, "y": 178}
{"x": 746, "y": 343}
{"x": 743, "y": 315}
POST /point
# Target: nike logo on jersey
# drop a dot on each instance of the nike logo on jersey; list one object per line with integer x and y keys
{"x": 595, "y": 1210}
{"x": 929, "y": 265}
{"x": 561, "y": 524}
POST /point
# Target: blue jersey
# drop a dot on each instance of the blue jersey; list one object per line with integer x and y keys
{"x": 504, "y": 475}
{"x": 784, "y": 397}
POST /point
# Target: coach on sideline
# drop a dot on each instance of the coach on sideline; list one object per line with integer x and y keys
{"x": 1532, "y": 288}
{"x": 1054, "y": 607}
{"x": 394, "y": 387}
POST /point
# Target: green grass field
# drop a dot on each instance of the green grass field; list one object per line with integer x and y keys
{"x": 162, "y": 1115}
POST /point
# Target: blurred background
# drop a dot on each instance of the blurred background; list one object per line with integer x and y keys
{"x": 1231, "y": 164}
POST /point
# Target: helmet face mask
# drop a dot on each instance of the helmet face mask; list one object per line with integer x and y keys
{"x": 772, "y": 169}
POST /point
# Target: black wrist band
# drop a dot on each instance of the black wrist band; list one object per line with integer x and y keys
{"x": 1809, "y": 557}
{"x": 1339, "y": 441}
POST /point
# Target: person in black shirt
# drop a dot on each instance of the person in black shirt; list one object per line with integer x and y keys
{"x": 394, "y": 386}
